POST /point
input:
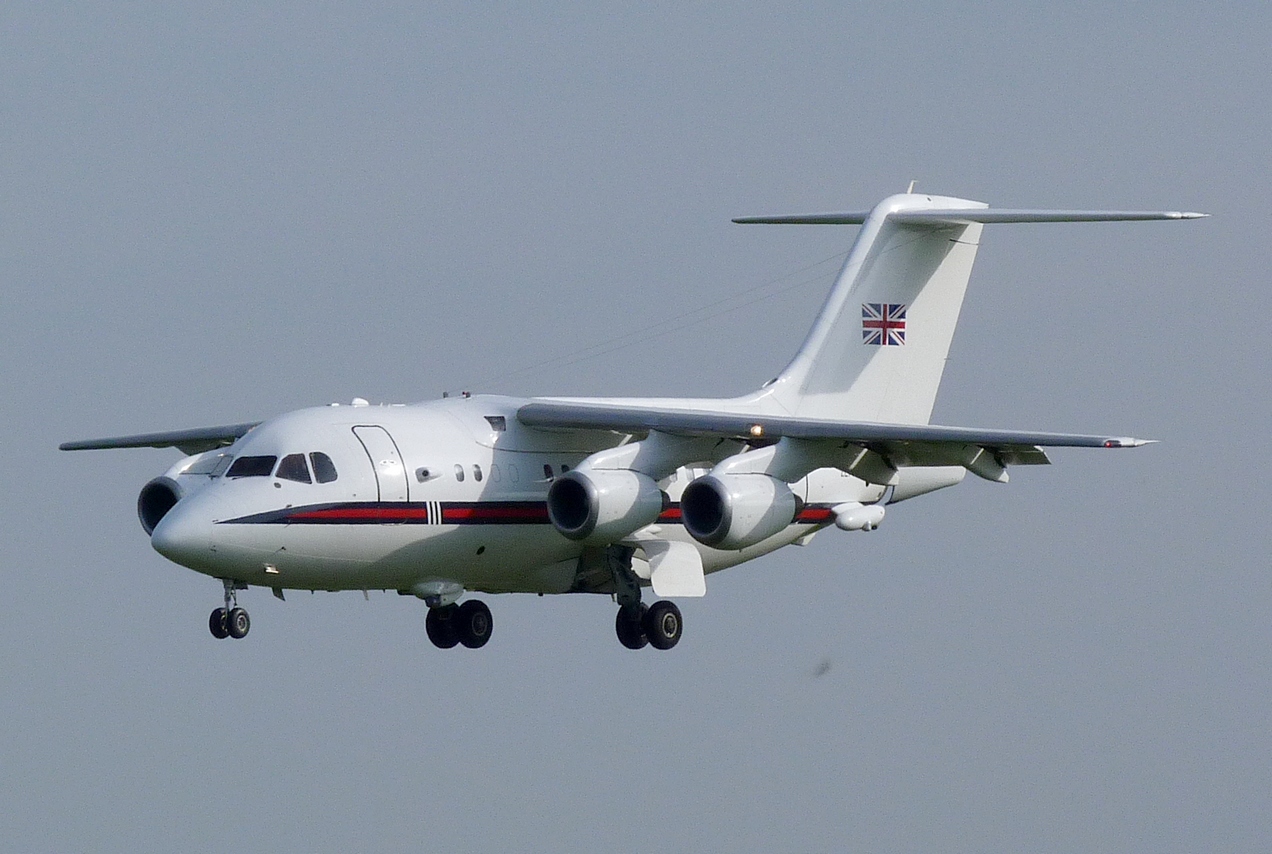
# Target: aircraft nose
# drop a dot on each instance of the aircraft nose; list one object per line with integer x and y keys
{"x": 184, "y": 536}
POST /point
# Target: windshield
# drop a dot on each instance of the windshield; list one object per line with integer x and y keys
{"x": 252, "y": 467}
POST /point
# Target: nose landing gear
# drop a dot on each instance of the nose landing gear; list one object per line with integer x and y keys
{"x": 230, "y": 621}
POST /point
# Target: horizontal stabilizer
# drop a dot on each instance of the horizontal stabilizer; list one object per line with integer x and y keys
{"x": 194, "y": 441}
{"x": 956, "y": 216}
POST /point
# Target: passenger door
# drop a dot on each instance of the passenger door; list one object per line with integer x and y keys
{"x": 386, "y": 462}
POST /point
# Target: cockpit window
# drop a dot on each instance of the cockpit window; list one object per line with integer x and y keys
{"x": 211, "y": 465}
{"x": 324, "y": 468}
{"x": 252, "y": 467}
{"x": 293, "y": 468}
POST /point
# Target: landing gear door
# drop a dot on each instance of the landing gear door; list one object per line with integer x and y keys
{"x": 390, "y": 473}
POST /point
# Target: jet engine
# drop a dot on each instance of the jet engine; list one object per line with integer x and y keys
{"x": 734, "y": 511}
{"x": 156, "y": 499}
{"x": 601, "y": 505}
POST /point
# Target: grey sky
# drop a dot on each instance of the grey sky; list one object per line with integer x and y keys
{"x": 218, "y": 215}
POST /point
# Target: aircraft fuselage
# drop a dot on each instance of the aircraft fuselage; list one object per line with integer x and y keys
{"x": 450, "y": 490}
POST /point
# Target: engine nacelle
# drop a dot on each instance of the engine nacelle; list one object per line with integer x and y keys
{"x": 603, "y": 506}
{"x": 156, "y": 499}
{"x": 734, "y": 511}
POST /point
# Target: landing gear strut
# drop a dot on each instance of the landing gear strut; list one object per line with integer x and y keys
{"x": 469, "y": 624}
{"x": 658, "y": 625}
{"x": 230, "y": 621}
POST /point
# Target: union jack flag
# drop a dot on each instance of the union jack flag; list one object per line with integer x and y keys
{"x": 883, "y": 323}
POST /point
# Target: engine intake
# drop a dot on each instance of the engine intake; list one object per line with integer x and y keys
{"x": 734, "y": 511}
{"x": 603, "y": 506}
{"x": 156, "y": 499}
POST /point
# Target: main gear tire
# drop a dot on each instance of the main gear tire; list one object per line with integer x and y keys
{"x": 663, "y": 624}
{"x": 628, "y": 625}
{"x": 440, "y": 626}
{"x": 473, "y": 623}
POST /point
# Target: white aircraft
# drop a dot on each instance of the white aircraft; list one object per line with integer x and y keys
{"x": 495, "y": 494}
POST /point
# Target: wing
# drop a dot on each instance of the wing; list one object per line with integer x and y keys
{"x": 898, "y": 444}
{"x": 188, "y": 442}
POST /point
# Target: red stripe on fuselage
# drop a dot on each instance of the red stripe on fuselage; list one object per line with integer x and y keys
{"x": 814, "y": 514}
{"x": 477, "y": 513}
{"x": 380, "y": 514}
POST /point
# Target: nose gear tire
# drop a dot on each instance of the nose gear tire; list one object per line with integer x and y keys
{"x": 237, "y": 623}
{"x": 216, "y": 623}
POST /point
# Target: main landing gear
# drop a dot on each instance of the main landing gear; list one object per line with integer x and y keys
{"x": 658, "y": 625}
{"x": 230, "y": 621}
{"x": 469, "y": 624}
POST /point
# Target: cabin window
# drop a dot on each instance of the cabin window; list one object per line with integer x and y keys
{"x": 293, "y": 468}
{"x": 252, "y": 467}
{"x": 459, "y": 473}
{"x": 324, "y": 468}
{"x": 477, "y": 473}
{"x": 495, "y": 474}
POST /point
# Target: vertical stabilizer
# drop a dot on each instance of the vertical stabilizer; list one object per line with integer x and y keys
{"x": 877, "y": 349}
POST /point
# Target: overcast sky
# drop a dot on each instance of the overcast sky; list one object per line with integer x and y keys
{"x": 216, "y": 215}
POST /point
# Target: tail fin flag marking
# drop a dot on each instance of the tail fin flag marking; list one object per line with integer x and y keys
{"x": 883, "y": 324}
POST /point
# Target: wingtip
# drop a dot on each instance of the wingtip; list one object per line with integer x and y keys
{"x": 1128, "y": 442}
{"x": 1192, "y": 215}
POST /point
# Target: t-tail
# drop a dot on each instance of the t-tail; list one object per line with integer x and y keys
{"x": 878, "y": 347}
